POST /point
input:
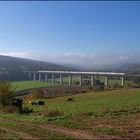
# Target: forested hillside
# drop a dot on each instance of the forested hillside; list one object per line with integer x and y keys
{"x": 12, "y": 68}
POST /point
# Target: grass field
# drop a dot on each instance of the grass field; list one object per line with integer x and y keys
{"x": 21, "y": 85}
{"x": 96, "y": 101}
{"x": 106, "y": 114}
{"x": 89, "y": 102}
{"x": 30, "y": 84}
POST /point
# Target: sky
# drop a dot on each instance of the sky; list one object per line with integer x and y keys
{"x": 93, "y": 33}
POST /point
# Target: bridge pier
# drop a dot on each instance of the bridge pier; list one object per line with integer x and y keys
{"x": 40, "y": 77}
{"x": 34, "y": 77}
{"x": 80, "y": 80}
{"x": 123, "y": 81}
{"x": 106, "y": 81}
{"x": 53, "y": 78}
{"x": 30, "y": 76}
{"x": 92, "y": 80}
{"x": 61, "y": 79}
{"x": 46, "y": 77}
{"x": 70, "y": 79}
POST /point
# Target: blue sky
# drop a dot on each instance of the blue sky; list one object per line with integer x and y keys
{"x": 71, "y": 32}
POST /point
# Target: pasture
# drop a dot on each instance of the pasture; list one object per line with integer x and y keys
{"x": 124, "y": 99}
{"x": 21, "y": 85}
{"x": 102, "y": 114}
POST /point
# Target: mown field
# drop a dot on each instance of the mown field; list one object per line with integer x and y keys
{"x": 106, "y": 114}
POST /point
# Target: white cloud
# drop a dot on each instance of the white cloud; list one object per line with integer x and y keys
{"x": 77, "y": 58}
{"x": 16, "y": 54}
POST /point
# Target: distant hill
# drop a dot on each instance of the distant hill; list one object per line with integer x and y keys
{"x": 11, "y": 68}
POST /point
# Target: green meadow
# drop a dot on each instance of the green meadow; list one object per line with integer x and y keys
{"x": 95, "y": 102}
{"x": 87, "y": 112}
{"x": 21, "y": 85}
{"x": 124, "y": 99}
{"x": 31, "y": 84}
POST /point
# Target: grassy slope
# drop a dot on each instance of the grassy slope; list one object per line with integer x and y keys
{"x": 96, "y": 101}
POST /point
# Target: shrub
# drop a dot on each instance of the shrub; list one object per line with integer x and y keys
{"x": 99, "y": 88}
{"x": 35, "y": 94}
{"x": 27, "y": 110}
{"x": 52, "y": 113}
{"x": 90, "y": 87}
{"x": 129, "y": 84}
{"x": 115, "y": 85}
{"x": 137, "y": 86}
{"x": 136, "y": 81}
{"x": 120, "y": 86}
{"x": 7, "y": 93}
{"x": 8, "y": 109}
{"x": 79, "y": 113}
{"x": 108, "y": 87}
{"x": 105, "y": 110}
{"x": 84, "y": 91}
{"x": 86, "y": 82}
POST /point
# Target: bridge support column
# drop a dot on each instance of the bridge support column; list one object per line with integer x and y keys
{"x": 29, "y": 76}
{"x": 61, "y": 79}
{"x": 70, "y": 79}
{"x": 34, "y": 78}
{"x": 123, "y": 81}
{"x": 80, "y": 80}
{"x": 40, "y": 77}
{"x": 52, "y": 78}
{"x": 46, "y": 77}
{"x": 92, "y": 80}
{"x": 106, "y": 81}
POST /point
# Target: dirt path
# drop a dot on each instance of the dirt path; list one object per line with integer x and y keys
{"x": 109, "y": 127}
{"x": 20, "y": 134}
{"x": 75, "y": 133}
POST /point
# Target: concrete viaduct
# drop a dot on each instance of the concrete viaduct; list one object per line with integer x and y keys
{"x": 32, "y": 75}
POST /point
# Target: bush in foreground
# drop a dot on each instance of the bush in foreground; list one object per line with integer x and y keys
{"x": 7, "y": 93}
{"x": 35, "y": 94}
{"x": 51, "y": 113}
{"x": 8, "y": 109}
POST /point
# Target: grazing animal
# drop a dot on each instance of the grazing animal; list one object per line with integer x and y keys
{"x": 70, "y": 99}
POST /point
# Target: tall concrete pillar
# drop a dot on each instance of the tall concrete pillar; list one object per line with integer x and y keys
{"x": 52, "y": 78}
{"x": 34, "y": 78}
{"x": 80, "y": 80}
{"x": 106, "y": 81}
{"x": 92, "y": 80}
{"x": 40, "y": 77}
{"x": 46, "y": 77}
{"x": 123, "y": 81}
{"x": 70, "y": 79}
{"x": 30, "y": 76}
{"x": 61, "y": 79}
